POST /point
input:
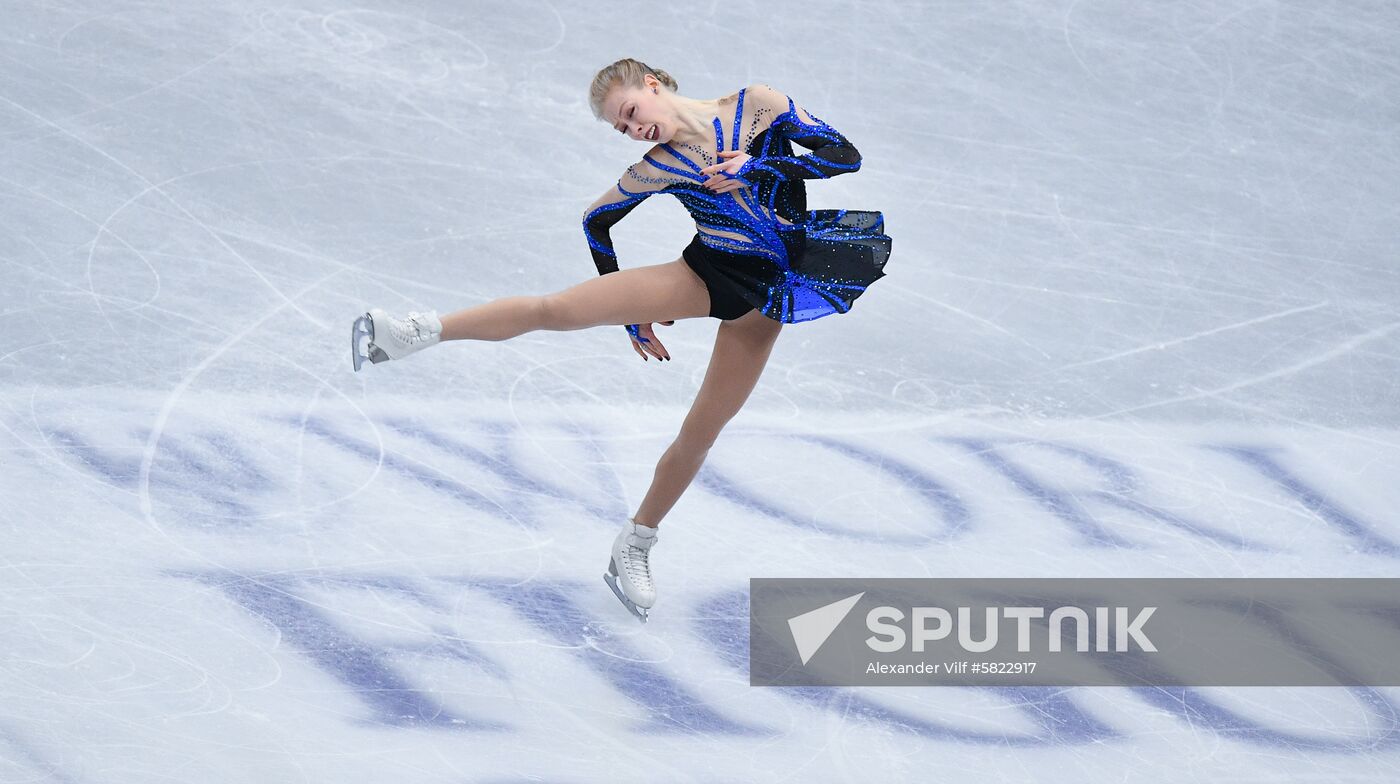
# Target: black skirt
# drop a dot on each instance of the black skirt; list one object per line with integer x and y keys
{"x": 831, "y": 260}
{"x": 725, "y": 302}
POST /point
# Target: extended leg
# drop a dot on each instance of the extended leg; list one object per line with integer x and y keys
{"x": 742, "y": 348}
{"x": 660, "y": 292}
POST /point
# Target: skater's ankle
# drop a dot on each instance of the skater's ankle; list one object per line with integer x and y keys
{"x": 646, "y": 524}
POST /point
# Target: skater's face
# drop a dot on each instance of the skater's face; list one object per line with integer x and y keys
{"x": 640, "y": 112}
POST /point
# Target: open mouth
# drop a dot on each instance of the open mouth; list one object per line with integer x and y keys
{"x": 653, "y": 132}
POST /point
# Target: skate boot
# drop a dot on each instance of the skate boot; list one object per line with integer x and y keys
{"x": 379, "y": 337}
{"x": 629, "y": 573}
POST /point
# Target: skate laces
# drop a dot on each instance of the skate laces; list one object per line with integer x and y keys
{"x": 637, "y": 566}
{"x": 414, "y": 328}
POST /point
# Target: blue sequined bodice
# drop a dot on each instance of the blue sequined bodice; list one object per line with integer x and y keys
{"x": 764, "y": 219}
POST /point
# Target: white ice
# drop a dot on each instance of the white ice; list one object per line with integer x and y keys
{"x": 1144, "y": 253}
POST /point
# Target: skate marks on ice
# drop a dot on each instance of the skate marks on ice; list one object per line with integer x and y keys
{"x": 21, "y": 762}
{"x": 312, "y": 574}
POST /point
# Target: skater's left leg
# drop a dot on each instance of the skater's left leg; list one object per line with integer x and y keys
{"x": 742, "y": 348}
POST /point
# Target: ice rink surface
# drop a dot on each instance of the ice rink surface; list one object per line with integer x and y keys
{"x": 1142, "y": 318}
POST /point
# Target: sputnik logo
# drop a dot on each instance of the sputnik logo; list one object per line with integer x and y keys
{"x": 810, "y": 630}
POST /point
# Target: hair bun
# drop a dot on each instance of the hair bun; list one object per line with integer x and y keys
{"x": 665, "y": 78}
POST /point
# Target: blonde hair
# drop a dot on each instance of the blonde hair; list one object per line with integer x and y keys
{"x": 627, "y": 73}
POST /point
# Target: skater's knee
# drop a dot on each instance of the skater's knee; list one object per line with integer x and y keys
{"x": 707, "y": 417}
{"x": 553, "y": 311}
{"x": 564, "y": 311}
{"x": 697, "y": 437}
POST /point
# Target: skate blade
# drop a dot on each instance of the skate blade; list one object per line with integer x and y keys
{"x": 639, "y": 612}
{"x": 362, "y": 328}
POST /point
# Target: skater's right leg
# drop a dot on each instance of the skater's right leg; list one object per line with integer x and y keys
{"x": 660, "y": 292}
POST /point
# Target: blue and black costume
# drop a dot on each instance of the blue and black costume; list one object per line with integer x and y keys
{"x": 759, "y": 247}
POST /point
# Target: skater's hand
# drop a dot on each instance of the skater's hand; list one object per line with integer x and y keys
{"x": 644, "y": 341}
{"x": 724, "y": 176}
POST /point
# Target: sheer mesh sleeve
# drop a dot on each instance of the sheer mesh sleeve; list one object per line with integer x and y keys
{"x": 832, "y": 153}
{"x": 637, "y": 183}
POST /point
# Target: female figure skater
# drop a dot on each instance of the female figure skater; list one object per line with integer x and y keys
{"x": 758, "y": 260}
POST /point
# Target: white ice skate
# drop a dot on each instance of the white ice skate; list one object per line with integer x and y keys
{"x": 379, "y": 337}
{"x": 629, "y": 572}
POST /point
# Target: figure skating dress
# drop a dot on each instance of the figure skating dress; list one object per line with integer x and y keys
{"x": 758, "y": 247}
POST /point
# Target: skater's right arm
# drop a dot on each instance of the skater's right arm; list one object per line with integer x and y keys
{"x": 635, "y": 184}
{"x": 638, "y": 182}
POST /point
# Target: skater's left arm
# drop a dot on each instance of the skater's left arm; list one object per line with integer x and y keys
{"x": 832, "y": 153}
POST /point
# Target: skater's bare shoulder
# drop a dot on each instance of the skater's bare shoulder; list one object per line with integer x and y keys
{"x": 648, "y": 162}
{"x": 763, "y": 95}
{"x": 649, "y": 173}
{"x": 642, "y": 178}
